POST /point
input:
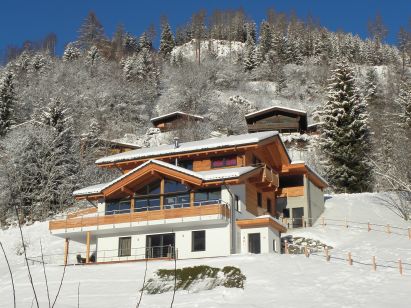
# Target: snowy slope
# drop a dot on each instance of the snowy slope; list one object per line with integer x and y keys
{"x": 272, "y": 280}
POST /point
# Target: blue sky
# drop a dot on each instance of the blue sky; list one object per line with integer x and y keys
{"x": 33, "y": 19}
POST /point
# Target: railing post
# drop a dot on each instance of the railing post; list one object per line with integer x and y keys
{"x": 374, "y": 264}
{"x": 286, "y": 247}
{"x": 349, "y": 258}
{"x": 327, "y": 256}
{"x": 88, "y": 247}
{"x": 306, "y": 253}
{"x": 66, "y": 250}
{"x": 369, "y": 227}
{"x": 388, "y": 229}
{"x": 400, "y": 266}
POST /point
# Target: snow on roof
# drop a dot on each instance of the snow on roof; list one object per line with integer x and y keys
{"x": 228, "y": 173}
{"x": 217, "y": 174}
{"x": 286, "y": 109}
{"x": 164, "y": 116}
{"x": 212, "y": 143}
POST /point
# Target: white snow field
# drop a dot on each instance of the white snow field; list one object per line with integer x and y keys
{"x": 272, "y": 280}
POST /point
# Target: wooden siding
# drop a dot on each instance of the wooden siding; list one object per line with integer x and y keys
{"x": 260, "y": 222}
{"x": 291, "y": 191}
{"x": 78, "y": 222}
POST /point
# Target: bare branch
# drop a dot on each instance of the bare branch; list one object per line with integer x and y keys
{"x": 45, "y": 275}
{"x": 11, "y": 274}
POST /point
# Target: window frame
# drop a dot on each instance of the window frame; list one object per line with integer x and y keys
{"x": 120, "y": 250}
{"x": 193, "y": 239}
{"x": 223, "y": 160}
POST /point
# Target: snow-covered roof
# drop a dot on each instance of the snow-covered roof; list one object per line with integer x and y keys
{"x": 272, "y": 108}
{"x": 217, "y": 174}
{"x": 206, "y": 144}
{"x": 175, "y": 113}
{"x": 121, "y": 143}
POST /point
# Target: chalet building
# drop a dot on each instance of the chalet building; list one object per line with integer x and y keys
{"x": 207, "y": 198}
{"x": 175, "y": 120}
{"x": 276, "y": 118}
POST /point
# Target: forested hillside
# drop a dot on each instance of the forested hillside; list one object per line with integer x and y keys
{"x": 54, "y": 108}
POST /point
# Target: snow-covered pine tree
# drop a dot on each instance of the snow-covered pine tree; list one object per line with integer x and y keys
{"x": 167, "y": 40}
{"x": 145, "y": 42}
{"x": 71, "y": 53}
{"x": 249, "y": 58}
{"x": 93, "y": 56}
{"x": 345, "y": 136}
{"x": 404, "y": 101}
{"x": 7, "y": 101}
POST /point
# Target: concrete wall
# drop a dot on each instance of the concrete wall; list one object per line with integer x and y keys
{"x": 316, "y": 196}
{"x": 217, "y": 244}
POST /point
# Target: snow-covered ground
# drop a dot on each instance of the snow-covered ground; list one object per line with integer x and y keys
{"x": 272, "y": 280}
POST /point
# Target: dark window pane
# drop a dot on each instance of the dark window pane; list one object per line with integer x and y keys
{"x": 291, "y": 180}
{"x": 140, "y": 205}
{"x": 259, "y": 199}
{"x": 216, "y": 163}
{"x": 124, "y": 246}
{"x": 200, "y": 196}
{"x": 172, "y": 186}
{"x": 198, "y": 241}
{"x": 153, "y": 204}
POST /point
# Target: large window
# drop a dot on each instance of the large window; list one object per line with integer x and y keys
{"x": 291, "y": 180}
{"x": 186, "y": 164}
{"x": 198, "y": 240}
{"x": 124, "y": 246}
{"x": 207, "y": 196}
{"x": 117, "y": 207}
{"x": 219, "y": 162}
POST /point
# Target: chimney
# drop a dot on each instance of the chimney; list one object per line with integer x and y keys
{"x": 176, "y": 143}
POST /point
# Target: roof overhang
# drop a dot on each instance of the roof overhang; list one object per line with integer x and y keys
{"x": 302, "y": 168}
{"x": 127, "y": 183}
{"x": 260, "y": 222}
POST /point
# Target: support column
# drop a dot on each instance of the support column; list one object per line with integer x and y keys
{"x": 162, "y": 182}
{"x": 66, "y": 251}
{"x": 88, "y": 247}
{"x": 191, "y": 198}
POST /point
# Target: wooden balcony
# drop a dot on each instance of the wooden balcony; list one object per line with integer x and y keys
{"x": 101, "y": 219}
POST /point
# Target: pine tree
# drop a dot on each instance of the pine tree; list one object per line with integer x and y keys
{"x": 54, "y": 115}
{"x": 404, "y": 101}
{"x": 265, "y": 37}
{"x": 93, "y": 56}
{"x": 166, "y": 41}
{"x": 144, "y": 42}
{"x": 71, "y": 53}
{"x": 7, "y": 101}
{"x": 345, "y": 134}
{"x": 249, "y": 54}
{"x": 91, "y": 32}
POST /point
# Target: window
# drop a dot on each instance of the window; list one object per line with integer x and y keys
{"x": 291, "y": 180}
{"x": 198, "y": 240}
{"x": 219, "y": 162}
{"x": 124, "y": 246}
{"x": 173, "y": 186}
{"x": 207, "y": 196}
{"x": 259, "y": 199}
{"x": 281, "y": 207}
{"x": 117, "y": 207}
{"x": 269, "y": 206}
{"x": 256, "y": 160}
{"x": 186, "y": 164}
{"x": 286, "y": 213}
{"x": 237, "y": 203}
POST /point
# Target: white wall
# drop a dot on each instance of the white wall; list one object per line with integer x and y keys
{"x": 217, "y": 244}
{"x": 267, "y": 235}
{"x": 316, "y": 196}
{"x": 240, "y": 191}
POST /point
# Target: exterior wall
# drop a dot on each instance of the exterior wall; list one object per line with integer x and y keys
{"x": 240, "y": 191}
{"x": 267, "y": 236}
{"x": 205, "y": 163}
{"x": 217, "y": 244}
{"x": 316, "y": 201}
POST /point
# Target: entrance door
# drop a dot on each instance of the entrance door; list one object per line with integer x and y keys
{"x": 298, "y": 214}
{"x": 254, "y": 243}
{"x": 160, "y": 245}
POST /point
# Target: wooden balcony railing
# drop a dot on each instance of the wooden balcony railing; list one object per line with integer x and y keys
{"x": 100, "y": 219}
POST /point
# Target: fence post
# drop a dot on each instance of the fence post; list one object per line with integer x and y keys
{"x": 388, "y": 229}
{"x": 323, "y": 221}
{"x": 409, "y": 233}
{"x": 327, "y": 256}
{"x": 374, "y": 264}
{"x": 400, "y": 266}
{"x": 349, "y": 258}
{"x": 286, "y": 247}
{"x": 66, "y": 250}
{"x": 307, "y": 254}
{"x": 369, "y": 227}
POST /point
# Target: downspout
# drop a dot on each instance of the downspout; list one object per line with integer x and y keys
{"x": 233, "y": 230}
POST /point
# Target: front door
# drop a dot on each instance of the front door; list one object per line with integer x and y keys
{"x": 160, "y": 245}
{"x": 254, "y": 243}
{"x": 298, "y": 214}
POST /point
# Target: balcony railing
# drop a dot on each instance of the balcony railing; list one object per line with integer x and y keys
{"x": 140, "y": 215}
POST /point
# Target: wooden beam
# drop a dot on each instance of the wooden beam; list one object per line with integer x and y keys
{"x": 162, "y": 185}
{"x": 88, "y": 247}
{"x": 191, "y": 198}
{"x": 127, "y": 191}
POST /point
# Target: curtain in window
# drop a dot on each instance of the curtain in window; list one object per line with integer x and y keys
{"x": 124, "y": 246}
